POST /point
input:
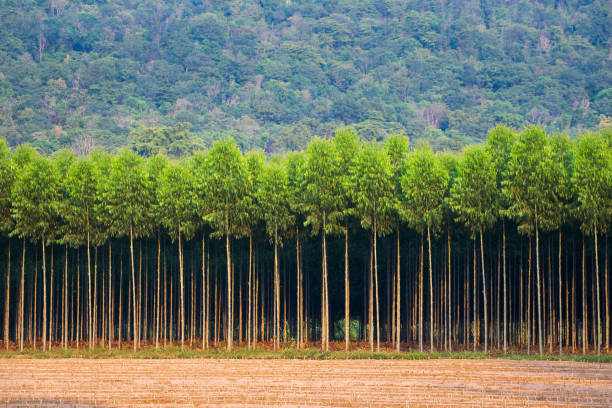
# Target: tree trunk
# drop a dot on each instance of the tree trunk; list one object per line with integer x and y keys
{"x": 449, "y": 323}
{"x": 421, "y": 297}
{"x": 376, "y": 289}
{"x": 607, "y": 299}
{"x": 597, "y": 288}
{"x": 230, "y": 336}
{"x": 7, "y": 294}
{"x": 182, "y": 294}
{"x": 397, "y": 297}
{"x": 484, "y": 294}
{"x": 135, "y": 320}
{"x": 585, "y": 332}
{"x": 529, "y": 301}
{"x": 505, "y": 286}
{"x": 89, "y": 316}
{"x": 538, "y": 283}
{"x": 560, "y": 300}
{"x": 431, "y": 294}
{"x": 347, "y": 319}
{"x": 65, "y": 300}
{"x": 157, "y": 305}
{"x": 276, "y": 294}
{"x": 325, "y": 309}
{"x": 371, "y": 297}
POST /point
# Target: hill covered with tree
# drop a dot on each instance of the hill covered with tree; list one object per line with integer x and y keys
{"x": 275, "y": 73}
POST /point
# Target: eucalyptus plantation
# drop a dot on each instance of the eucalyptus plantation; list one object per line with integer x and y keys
{"x": 229, "y": 246}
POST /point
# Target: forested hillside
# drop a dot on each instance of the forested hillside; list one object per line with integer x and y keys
{"x": 275, "y": 73}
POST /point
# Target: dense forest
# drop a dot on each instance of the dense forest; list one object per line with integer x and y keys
{"x": 504, "y": 245}
{"x": 276, "y": 73}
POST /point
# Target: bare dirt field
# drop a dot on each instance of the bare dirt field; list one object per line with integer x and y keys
{"x": 369, "y": 383}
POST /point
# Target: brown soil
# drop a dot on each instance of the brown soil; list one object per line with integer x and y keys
{"x": 364, "y": 383}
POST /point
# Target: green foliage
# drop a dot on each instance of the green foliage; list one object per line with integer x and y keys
{"x": 474, "y": 192}
{"x": 373, "y": 193}
{"x": 226, "y": 189}
{"x": 273, "y": 196}
{"x": 535, "y": 184}
{"x": 423, "y": 185}
{"x": 593, "y": 181}
{"x": 275, "y": 74}
{"x": 35, "y": 199}
{"x": 176, "y": 198}
{"x": 7, "y": 178}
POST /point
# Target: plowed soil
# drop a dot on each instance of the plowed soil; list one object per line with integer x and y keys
{"x": 363, "y": 383}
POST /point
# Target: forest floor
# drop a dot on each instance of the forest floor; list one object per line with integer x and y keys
{"x": 265, "y": 351}
{"x": 372, "y": 383}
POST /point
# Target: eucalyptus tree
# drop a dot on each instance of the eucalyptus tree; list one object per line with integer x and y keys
{"x": 35, "y": 201}
{"x": 227, "y": 185}
{"x": 347, "y": 146}
{"x": 7, "y": 178}
{"x": 273, "y": 196}
{"x": 155, "y": 167}
{"x": 450, "y": 161}
{"x": 295, "y": 165}
{"x": 21, "y": 159}
{"x": 177, "y": 211}
{"x": 593, "y": 182}
{"x": 81, "y": 185}
{"x": 322, "y": 204}
{"x": 125, "y": 192}
{"x": 563, "y": 151}
{"x": 532, "y": 190}
{"x": 473, "y": 198}
{"x": 424, "y": 185}
{"x": 396, "y": 148}
{"x": 255, "y": 162}
{"x": 374, "y": 204}
{"x": 499, "y": 145}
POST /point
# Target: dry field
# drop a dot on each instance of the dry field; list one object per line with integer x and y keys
{"x": 364, "y": 383}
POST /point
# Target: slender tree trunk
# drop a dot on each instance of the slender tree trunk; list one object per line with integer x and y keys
{"x": 529, "y": 301}
{"x": 538, "y": 288}
{"x": 431, "y": 294}
{"x": 560, "y": 300}
{"x": 89, "y": 308}
{"x": 474, "y": 301}
{"x": 449, "y": 323}
{"x": 584, "y": 302}
{"x": 203, "y": 294}
{"x": 607, "y": 299}
{"x": 298, "y": 283}
{"x": 135, "y": 320}
{"x": 505, "y": 286}
{"x": 397, "y": 297}
{"x": 157, "y": 305}
{"x": 376, "y": 289}
{"x": 65, "y": 309}
{"x": 371, "y": 296}
{"x": 597, "y": 288}
{"x": 44, "y": 273}
{"x": 421, "y": 296}
{"x": 182, "y": 294}
{"x": 276, "y": 294}
{"x": 347, "y": 318}
{"x": 325, "y": 310}
{"x": 230, "y": 333}
{"x": 484, "y": 294}
{"x": 7, "y": 294}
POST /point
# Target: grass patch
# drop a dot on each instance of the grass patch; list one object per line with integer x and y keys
{"x": 291, "y": 353}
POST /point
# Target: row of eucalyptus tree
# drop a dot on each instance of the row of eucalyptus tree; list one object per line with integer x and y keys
{"x": 337, "y": 202}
